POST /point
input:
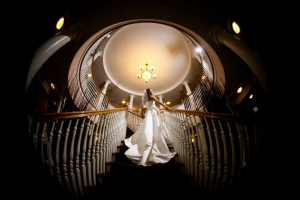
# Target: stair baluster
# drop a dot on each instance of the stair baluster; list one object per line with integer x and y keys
{"x": 77, "y": 158}
{"x": 225, "y": 159}
{"x": 211, "y": 155}
{"x": 64, "y": 160}
{"x": 93, "y": 156}
{"x": 89, "y": 153}
{"x": 57, "y": 155}
{"x": 216, "y": 184}
{"x": 49, "y": 151}
{"x": 71, "y": 157}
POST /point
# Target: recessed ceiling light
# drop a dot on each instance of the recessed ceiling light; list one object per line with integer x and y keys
{"x": 251, "y": 96}
{"x": 123, "y": 102}
{"x": 255, "y": 109}
{"x": 240, "y": 90}
{"x": 168, "y": 103}
{"x": 52, "y": 85}
{"x": 60, "y": 23}
{"x": 235, "y": 27}
{"x": 198, "y": 49}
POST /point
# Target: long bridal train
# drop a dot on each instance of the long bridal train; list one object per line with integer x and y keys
{"x": 149, "y": 144}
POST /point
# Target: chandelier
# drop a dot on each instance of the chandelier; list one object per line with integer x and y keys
{"x": 146, "y": 74}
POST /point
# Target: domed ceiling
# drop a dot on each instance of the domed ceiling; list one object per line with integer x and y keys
{"x": 173, "y": 54}
{"x": 157, "y": 45}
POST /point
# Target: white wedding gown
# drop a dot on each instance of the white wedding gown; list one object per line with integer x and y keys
{"x": 149, "y": 144}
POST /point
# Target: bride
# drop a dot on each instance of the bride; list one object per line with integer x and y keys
{"x": 149, "y": 144}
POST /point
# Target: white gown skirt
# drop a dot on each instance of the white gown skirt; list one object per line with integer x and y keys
{"x": 149, "y": 144}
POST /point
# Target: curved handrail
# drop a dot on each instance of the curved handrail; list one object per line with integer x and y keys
{"x": 76, "y": 114}
{"x": 212, "y": 115}
{"x": 222, "y": 116}
{"x": 215, "y": 148}
{"x": 135, "y": 114}
{"x": 75, "y": 146}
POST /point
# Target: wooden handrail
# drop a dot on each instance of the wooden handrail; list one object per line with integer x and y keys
{"x": 173, "y": 107}
{"x": 134, "y": 114}
{"x": 222, "y": 116}
{"x": 76, "y": 114}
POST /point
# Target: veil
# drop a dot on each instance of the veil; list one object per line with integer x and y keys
{"x": 144, "y": 99}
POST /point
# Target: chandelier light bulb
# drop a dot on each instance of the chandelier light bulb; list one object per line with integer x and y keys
{"x": 146, "y": 74}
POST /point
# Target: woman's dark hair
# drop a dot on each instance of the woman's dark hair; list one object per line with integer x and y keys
{"x": 148, "y": 91}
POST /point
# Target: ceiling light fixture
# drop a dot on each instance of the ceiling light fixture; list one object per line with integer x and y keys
{"x": 60, "y": 23}
{"x": 146, "y": 74}
{"x": 235, "y": 27}
{"x": 240, "y": 90}
{"x": 198, "y": 49}
{"x": 52, "y": 85}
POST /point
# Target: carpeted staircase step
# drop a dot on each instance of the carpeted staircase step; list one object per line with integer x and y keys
{"x": 157, "y": 186}
{"x": 121, "y": 157}
{"x": 123, "y": 148}
{"x": 129, "y": 132}
{"x": 126, "y": 186}
{"x": 169, "y": 169}
{"x": 121, "y": 180}
{"x": 130, "y": 179}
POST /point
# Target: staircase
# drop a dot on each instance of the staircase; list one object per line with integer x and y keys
{"x": 126, "y": 179}
{"x": 81, "y": 153}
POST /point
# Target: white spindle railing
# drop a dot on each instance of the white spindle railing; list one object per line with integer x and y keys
{"x": 76, "y": 147}
{"x": 83, "y": 89}
{"x": 215, "y": 148}
{"x": 133, "y": 120}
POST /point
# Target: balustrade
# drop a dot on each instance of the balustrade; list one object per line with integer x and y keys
{"x": 133, "y": 120}
{"x": 216, "y": 149}
{"x": 82, "y": 87}
{"x": 75, "y": 146}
